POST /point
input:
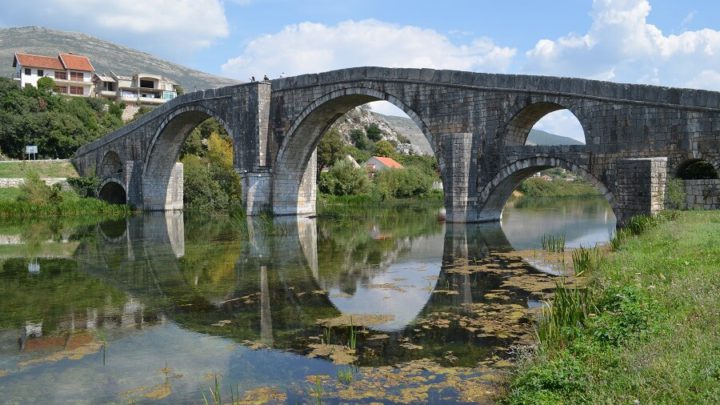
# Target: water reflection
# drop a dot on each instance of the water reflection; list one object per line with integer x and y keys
{"x": 153, "y": 306}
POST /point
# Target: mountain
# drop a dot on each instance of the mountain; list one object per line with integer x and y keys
{"x": 538, "y": 137}
{"x": 105, "y": 56}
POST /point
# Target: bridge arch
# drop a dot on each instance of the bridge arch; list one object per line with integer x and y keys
{"x": 113, "y": 191}
{"x": 293, "y": 184}
{"x": 696, "y": 169}
{"x": 162, "y": 180}
{"x": 496, "y": 193}
{"x": 111, "y": 165}
{"x": 517, "y": 129}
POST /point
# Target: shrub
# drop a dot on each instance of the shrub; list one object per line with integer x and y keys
{"x": 84, "y": 186}
{"x": 403, "y": 183}
{"x": 344, "y": 179}
{"x": 34, "y": 191}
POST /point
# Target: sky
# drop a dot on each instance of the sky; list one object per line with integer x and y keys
{"x": 669, "y": 43}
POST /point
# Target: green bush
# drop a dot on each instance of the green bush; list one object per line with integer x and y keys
{"x": 84, "y": 186}
{"x": 344, "y": 179}
{"x": 403, "y": 183}
{"x": 373, "y": 132}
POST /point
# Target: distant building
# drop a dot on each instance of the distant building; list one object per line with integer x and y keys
{"x": 139, "y": 88}
{"x": 134, "y": 91}
{"x": 378, "y": 163}
{"x": 72, "y": 73}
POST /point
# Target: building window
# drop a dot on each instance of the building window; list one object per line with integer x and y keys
{"x": 41, "y": 73}
{"x": 148, "y": 84}
{"x": 76, "y": 76}
{"x": 61, "y": 89}
{"x": 28, "y": 71}
{"x": 60, "y": 75}
{"x": 76, "y": 90}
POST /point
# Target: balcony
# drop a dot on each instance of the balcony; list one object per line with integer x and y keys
{"x": 17, "y": 76}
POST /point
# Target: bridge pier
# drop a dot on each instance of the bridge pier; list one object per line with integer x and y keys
{"x": 455, "y": 155}
{"x": 163, "y": 194}
{"x": 640, "y": 188}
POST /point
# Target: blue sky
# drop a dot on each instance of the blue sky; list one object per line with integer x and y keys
{"x": 674, "y": 43}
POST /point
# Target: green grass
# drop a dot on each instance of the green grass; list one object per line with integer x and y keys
{"x": 20, "y": 168}
{"x": 9, "y": 194}
{"x": 649, "y": 330}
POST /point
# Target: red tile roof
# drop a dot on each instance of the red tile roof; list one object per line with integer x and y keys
{"x": 389, "y": 162}
{"x": 76, "y": 62}
{"x": 37, "y": 61}
{"x": 64, "y": 61}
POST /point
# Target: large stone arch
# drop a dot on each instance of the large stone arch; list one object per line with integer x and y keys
{"x": 495, "y": 194}
{"x": 516, "y": 130}
{"x": 293, "y": 190}
{"x": 162, "y": 177}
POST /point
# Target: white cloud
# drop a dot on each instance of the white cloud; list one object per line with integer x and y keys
{"x": 158, "y": 26}
{"x": 312, "y": 47}
{"x": 621, "y": 45}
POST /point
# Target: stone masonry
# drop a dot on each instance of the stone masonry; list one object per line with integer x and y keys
{"x": 476, "y": 123}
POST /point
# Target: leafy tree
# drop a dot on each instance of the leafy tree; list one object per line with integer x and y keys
{"x": 360, "y": 140}
{"x": 373, "y": 132}
{"x": 46, "y": 84}
{"x": 385, "y": 148}
{"x": 330, "y": 149}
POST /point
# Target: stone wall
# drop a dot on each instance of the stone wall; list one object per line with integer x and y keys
{"x": 702, "y": 194}
{"x": 14, "y": 183}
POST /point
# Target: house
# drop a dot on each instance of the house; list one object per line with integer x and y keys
{"x": 134, "y": 91}
{"x": 72, "y": 73}
{"x": 378, "y": 163}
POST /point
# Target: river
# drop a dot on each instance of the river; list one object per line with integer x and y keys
{"x": 355, "y": 306}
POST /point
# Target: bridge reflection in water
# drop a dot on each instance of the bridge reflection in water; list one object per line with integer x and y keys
{"x": 278, "y": 289}
{"x": 184, "y": 291}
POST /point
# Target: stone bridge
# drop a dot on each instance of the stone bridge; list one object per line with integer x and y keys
{"x": 477, "y": 124}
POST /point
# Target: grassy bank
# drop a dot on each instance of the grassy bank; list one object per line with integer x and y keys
{"x": 34, "y": 199}
{"x": 328, "y": 201}
{"x": 646, "y": 329}
{"x": 18, "y": 169}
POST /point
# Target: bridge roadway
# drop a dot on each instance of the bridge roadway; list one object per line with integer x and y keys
{"x": 477, "y": 124}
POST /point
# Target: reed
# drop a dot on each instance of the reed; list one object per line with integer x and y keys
{"x": 586, "y": 260}
{"x": 570, "y": 309}
{"x": 553, "y": 243}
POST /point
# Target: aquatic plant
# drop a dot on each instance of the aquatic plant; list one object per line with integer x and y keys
{"x": 345, "y": 375}
{"x": 553, "y": 243}
{"x": 317, "y": 390}
{"x": 586, "y": 260}
{"x": 352, "y": 343}
{"x": 570, "y": 309}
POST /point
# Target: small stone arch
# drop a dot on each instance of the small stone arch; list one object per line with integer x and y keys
{"x": 113, "y": 191}
{"x": 161, "y": 178}
{"x": 515, "y": 132}
{"x": 696, "y": 169}
{"x": 111, "y": 165}
{"x": 496, "y": 192}
{"x": 290, "y": 174}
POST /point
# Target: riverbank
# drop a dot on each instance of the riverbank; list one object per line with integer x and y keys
{"x": 34, "y": 199}
{"x": 538, "y": 187}
{"x": 646, "y": 330}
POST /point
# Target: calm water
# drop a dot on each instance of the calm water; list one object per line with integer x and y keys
{"x": 388, "y": 306}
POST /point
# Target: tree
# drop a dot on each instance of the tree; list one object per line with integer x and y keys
{"x": 373, "y": 132}
{"x": 385, "y": 148}
{"x": 360, "y": 140}
{"x": 330, "y": 149}
{"x": 46, "y": 84}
